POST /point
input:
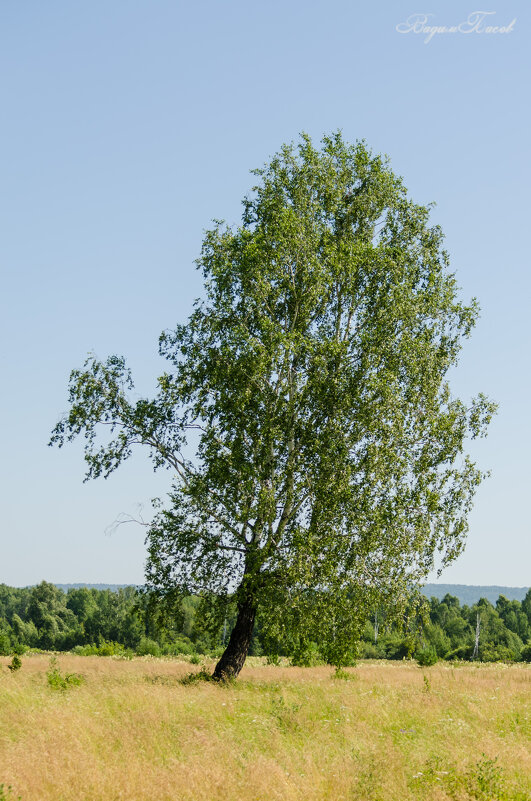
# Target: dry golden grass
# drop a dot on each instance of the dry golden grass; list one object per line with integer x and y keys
{"x": 132, "y": 731}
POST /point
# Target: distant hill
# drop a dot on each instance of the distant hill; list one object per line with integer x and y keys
{"x": 470, "y": 594}
{"x": 111, "y": 587}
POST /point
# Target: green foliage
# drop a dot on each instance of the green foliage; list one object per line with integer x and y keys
{"x": 6, "y": 794}
{"x": 195, "y": 678}
{"x": 369, "y": 650}
{"x": 343, "y": 675}
{"x": 437, "y": 638}
{"x": 182, "y": 646}
{"x": 5, "y": 642}
{"x": 525, "y": 653}
{"x": 461, "y": 652}
{"x": 397, "y": 647}
{"x": 147, "y": 647}
{"x": 284, "y": 713}
{"x": 447, "y": 629}
{"x": 330, "y": 462}
{"x": 427, "y": 656}
{"x": 103, "y": 649}
{"x": 497, "y": 653}
{"x": 483, "y": 781}
{"x": 306, "y": 654}
{"x": 16, "y": 663}
{"x": 59, "y": 681}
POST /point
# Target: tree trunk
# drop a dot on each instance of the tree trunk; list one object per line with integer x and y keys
{"x": 475, "y": 654}
{"x": 235, "y": 653}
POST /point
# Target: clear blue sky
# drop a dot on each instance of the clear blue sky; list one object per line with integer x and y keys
{"x": 127, "y": 126}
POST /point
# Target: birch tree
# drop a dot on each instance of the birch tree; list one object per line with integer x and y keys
{"x": 329, "y": 468}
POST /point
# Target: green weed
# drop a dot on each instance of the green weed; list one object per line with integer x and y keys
{"x": 194, "y": 678}
{"x": 6, "y": 793}
{"x": 485, "y": 781}
{"x": 285, "y": 714}
{"x": 58, "y": 681}
{"x": 344, "y": 675}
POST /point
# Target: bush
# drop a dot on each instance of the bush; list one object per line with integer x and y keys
{"x": 147, "y": 647}
{"x": 59, "y": 682}
{"x": 109, "y": 649}
{"x": 369, "y": 650}
{"x": 427, "y": 656}
{"x": 255, "y": 648}
{"x": 182, "y": 646}
{"x": 344, "y": 675}
{"x": 5, "y": 644}
{"x": 203, "y": 644}
{"x": 16, "y": 664}
{"x": 306, "y": 655}
{"x": 104, "y": 649}
{"x": 525, "y": 653}
{"x": 437, "y": 639}
{"x": 193, "y": 678}
{"x": 462, "y": 652}
{"x": 399, "y": 648}
{"x": 496, "y": 653}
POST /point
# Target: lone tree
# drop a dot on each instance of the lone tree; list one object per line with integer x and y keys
{"x": 329, "y": 470}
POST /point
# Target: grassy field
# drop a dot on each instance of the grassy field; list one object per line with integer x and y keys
{"x": 132, "y": 731}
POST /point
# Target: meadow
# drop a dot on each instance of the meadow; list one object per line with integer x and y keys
{"x": 132, "y": 730}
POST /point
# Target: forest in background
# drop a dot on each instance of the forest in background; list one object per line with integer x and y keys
{"x": 127, "y": 622}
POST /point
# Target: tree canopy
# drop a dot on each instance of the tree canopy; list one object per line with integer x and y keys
{"x": 328, "y": 469}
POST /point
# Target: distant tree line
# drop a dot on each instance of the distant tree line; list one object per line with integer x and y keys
{"x": 128, "y": 621}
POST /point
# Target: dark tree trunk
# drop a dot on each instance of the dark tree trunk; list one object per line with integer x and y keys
{"x": 235, "y": 653}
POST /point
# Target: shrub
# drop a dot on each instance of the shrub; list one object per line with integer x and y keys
{"x": 437, "y": 638}
{"x": 427, "y": 656}
{"x": 306, "y": 655}
{"x": 16, "y": 663}
{"x": 193, "y": 678}
{"x": 344, "y": 675}
{"x": 496, "y": 653}
{"x": 399, "y": 648}
{"x": 147, "y": 647}
{"x": 5, "y": 645}
{"x": 525, "y": 653}
{"x": 182, "y": 646}
{"x": 110, "y": 649}
{"x": 369, "y": 650}
{"x": 103, "y": 649}
{"x": 462, "y": 652}
{"x": 255, "y": 648}
{"x": 83, "y": 650}
{"x": 203, "y": 645}
{"x": 57, "y": 681}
